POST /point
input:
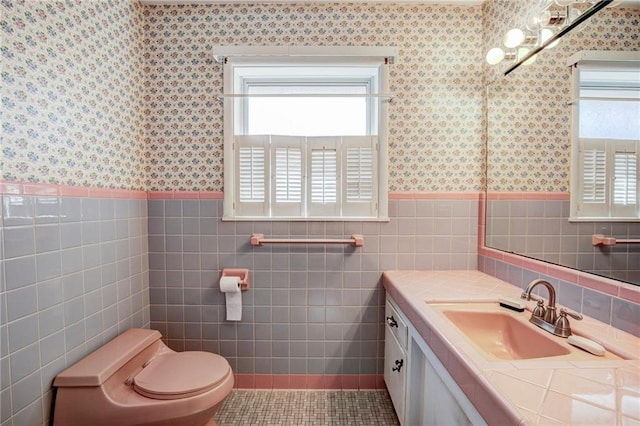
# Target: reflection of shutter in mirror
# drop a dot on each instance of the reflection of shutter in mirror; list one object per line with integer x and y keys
{"x": 625, "y": 175}
{"x": 594, "y": 175}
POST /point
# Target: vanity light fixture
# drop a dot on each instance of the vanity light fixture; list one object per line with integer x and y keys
{"x": 546, "y": 34}
{"x": 513, "y": 38}
{"x": 522, "y": 53}
{"x": 579, "y": 19}
{"x": 555, "y": 19}
{"x": 497, "y": 55}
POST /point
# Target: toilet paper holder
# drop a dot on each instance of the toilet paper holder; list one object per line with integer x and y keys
{"x": 243, "y": 274}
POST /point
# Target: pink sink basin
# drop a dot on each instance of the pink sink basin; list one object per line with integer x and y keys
{"x": 504, "y": 337}
{"x": 500, "y": 334}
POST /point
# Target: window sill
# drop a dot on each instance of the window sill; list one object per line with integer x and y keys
{"x": 604, "y": 219}
{"x": 302, "y": 219}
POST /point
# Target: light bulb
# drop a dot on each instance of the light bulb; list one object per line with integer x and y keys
{"x": 495, "y": 56}
{"x": 513, "y": 38}
{"x": 546, "y": 34}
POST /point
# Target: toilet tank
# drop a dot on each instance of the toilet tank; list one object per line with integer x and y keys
{"x": 97, "y": 367}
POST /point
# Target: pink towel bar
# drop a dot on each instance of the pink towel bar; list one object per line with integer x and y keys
{"x": 601, "y": 240}
{"x": 356, "y": 240}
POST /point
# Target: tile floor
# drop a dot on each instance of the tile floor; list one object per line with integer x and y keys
{"x": 336, "y": 408}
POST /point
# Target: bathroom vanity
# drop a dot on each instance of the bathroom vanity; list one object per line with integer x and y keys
{"x": 422, "y": 390}
{"x": 437, "y": 374}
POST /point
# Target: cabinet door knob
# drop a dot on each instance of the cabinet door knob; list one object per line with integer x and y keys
{"x": 399, "y": 363}
{"x": 392, "y": 321}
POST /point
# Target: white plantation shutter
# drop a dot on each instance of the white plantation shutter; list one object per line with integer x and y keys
{"x": 609, "y": 174}
{"x": 252, "y": 174}
{"x": 625, "y": 179}
{"x": 594, "y": 175}
{"x": 624, "y": 189}
{"x": 593, "y": 200}
{"x": 324, "y": 176}
{"x": 360, "y": 163}
{"x": 287, "y": 175}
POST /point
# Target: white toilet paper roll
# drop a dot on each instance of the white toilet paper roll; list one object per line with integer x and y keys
{"x": 230, "y": 286}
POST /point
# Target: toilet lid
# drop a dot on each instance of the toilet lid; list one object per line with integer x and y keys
{"x": 181, "y": 375}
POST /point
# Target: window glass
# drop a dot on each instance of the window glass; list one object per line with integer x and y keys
{"x": 307, "y": 116}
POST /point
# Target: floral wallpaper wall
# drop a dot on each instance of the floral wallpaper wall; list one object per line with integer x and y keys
{"x": 529, "y": 119}
{"x": 435, "y": 118}
{"x": 110, "y": 93}
{"x": 72, "y": 85}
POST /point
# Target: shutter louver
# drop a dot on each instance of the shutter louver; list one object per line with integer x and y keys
{"x": 594, "y": 176}
{"x": 625, "y": 178}
{"x": 324, "y": 175}
{"x": 288, "y": 175}
{"x": 359, "y": 180}
{"x": 251, "y": 173}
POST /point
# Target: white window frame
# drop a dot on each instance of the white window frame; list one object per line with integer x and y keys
{"x": 604, "y": 210}
{"x": 241, "y": 56}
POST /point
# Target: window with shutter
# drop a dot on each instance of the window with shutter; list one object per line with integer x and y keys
{"x": 605, "y": 111}
{"x": 305, "y": 137}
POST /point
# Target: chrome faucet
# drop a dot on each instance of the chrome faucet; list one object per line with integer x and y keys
{"x": 548, "y": 314}
{"x": 546, "y": 318}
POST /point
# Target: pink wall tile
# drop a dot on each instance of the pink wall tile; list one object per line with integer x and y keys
{"x": 298, "y": 381}
{"x": 332, "y": 381}
{"x": 74, "y": 191}
{"x": 600, "y": 284}
{"x": 186, "y": 195}
{"x": 100, "y": 192}
{"x": 629, "y": 292}
{"x": 350, "y": 382}
{"x": 14, "y": 188}
{"x": 245, "y": 381}
{"x": 211, "y": 195}
{"x": 281, "y": 381}
{"x": 315, "y": 381}
{"x": 434, "y": 195}
{"x": 40, "y": 189}
{"x": 263, "y": 381}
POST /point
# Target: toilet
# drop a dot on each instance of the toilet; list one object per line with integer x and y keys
{"x": 135, "y": 379}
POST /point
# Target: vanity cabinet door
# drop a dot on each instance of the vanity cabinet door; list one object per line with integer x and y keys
{"x": 395, "y": 371}
{"x": 433, "y": 397}
{"x": 396, "y": 324}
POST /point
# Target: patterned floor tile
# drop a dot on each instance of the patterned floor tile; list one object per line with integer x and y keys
{"x": 335, "y": 408}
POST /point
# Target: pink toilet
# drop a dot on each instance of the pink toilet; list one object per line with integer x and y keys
{"x": 135, "y": 379}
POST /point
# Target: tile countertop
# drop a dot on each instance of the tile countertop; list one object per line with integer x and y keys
{"x": 524, "y": 391}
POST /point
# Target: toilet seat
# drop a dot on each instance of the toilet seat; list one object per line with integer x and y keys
{"x": 181, "y": 375}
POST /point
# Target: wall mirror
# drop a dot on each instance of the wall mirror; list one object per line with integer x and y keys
{"x": 529, "y": 156}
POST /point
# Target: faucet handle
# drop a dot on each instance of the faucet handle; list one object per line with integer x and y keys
{"x": 539, "y": 311}
{"x": 572, "y": 314}
{"x": 562, "y": 327}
